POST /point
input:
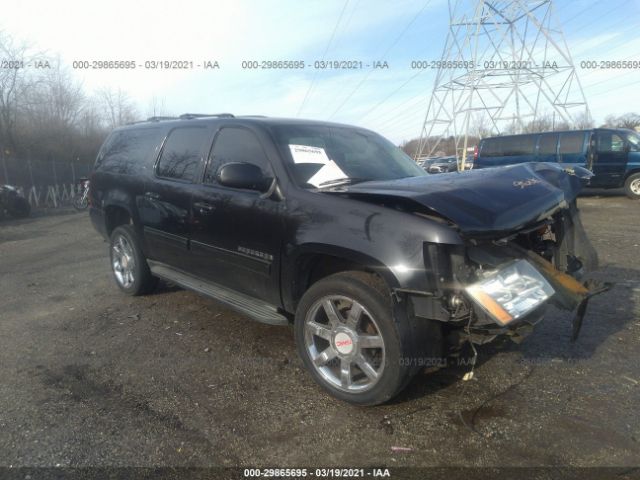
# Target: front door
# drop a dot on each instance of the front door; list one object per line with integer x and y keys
{"x": 235, "y": 233}
{"x": 164, "y": 208}
{"x": 610, "y": 161}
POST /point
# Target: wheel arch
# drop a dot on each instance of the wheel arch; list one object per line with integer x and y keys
{"x": 631, "y": 172}
{"x": 116, "y": 214}
{"x": 314, "y": 262}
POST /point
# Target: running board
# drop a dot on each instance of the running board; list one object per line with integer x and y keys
{"x": 256, "y": 309}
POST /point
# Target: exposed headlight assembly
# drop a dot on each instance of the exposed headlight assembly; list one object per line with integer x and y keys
{"x": 511, "y": 292}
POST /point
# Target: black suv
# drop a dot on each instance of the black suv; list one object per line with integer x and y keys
{"x": 382, "y": 268}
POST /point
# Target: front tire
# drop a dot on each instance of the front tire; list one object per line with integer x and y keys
{"x": 128, "y": 264}
{"x": 632, "y": 186}
{"x": 350, "y": 340}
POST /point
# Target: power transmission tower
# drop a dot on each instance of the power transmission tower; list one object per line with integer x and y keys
{"x": 505, "y": 66}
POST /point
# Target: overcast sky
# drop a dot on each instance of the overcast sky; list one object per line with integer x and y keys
{"x": 391, "y": 101}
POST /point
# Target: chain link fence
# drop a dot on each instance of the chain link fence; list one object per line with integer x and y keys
{"x": 46, "y": 183}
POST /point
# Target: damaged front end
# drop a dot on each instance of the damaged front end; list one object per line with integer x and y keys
{"x": 501, "y": 285}
{"x": 524, "y": 248}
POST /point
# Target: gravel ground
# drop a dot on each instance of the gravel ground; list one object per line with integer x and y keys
{"x": 91, "y": 377}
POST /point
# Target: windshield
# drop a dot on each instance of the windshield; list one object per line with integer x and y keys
{"x": 322, "y": 155}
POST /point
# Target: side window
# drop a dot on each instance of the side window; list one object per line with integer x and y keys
{"x": 498, "y": 147}
{"x": 235, "y": 145}
{"x": 182, "y": 153}
{"x": 547, "y": 144}
{"x": 634, "y": 142}
{"x": 125, "y": 151}
{"x": 610, "y": 142}
{"x": 520, "y": 145}
{"x": 492, "y": 147}
{"x": 572, "y": 142}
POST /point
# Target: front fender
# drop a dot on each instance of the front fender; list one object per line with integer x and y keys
{"x": 384, "y": 240}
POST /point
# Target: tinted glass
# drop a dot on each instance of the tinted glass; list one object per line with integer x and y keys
{"x": 518, "y": 145}
{"x": 320, "y": 154}
{"x": 572, "y": 142}
{"x": 125, "y": 151}
{"x": 610, "y": 142}
{"x": 634, "y": 142}
{"x": 182, "y": 152}
{"x": 236, "y": 145}
{"x": 547, "y": 144}
{"x": 492, "y": 147}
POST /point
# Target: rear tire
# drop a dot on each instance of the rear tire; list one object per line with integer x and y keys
{"x": 632, "y": 186}
{"x": 361, "y": 331}
{"x": 128, "y": 264}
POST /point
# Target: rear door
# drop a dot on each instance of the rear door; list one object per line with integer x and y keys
{"x": 164, "y": 208}
{"x": 572, "y": 149}
{"x": 547, "y": 150}
{"x": 610, "y": 160}
{"x": 236, "y": 234}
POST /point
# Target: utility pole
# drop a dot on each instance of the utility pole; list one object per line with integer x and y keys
{"x": 504, "y": 64}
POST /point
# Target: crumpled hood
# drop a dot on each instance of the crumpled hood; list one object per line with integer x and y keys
{"x": 491, "y": 200}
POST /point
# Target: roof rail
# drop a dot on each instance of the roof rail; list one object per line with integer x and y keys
{"x": 190, "y": 116}
{"x": 159, "y": 119}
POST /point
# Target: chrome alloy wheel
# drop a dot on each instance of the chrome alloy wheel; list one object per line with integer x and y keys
{"x": 344, "y": 343}
{"x": 123, "y": 261}
{"x": 635, "y": 186}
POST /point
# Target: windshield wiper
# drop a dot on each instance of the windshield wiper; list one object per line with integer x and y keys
{"x": 342, "y": 181}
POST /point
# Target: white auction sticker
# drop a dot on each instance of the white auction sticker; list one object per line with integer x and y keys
{"x": 306, "y": 154}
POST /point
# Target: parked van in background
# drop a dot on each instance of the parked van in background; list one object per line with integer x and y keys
{"x": 613, "y": 155}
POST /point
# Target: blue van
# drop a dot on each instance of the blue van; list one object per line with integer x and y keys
{"x": 613, "y": 155}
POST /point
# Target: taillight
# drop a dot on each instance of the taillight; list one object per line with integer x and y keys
{"x": 475, "y": 153}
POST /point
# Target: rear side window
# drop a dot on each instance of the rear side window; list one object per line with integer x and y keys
{"x": 236, "y": 145}
{"x": 520, "y": 145}
{"x": 491, "y": 147}
{"x": 572, "y": 142}
{"x": 182, "y": 153}
{"x": 125, "y": 151}
{"x": 548, "y": 144}
{"x": 508, "y": 146}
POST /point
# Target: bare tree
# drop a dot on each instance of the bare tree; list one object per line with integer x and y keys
{"x": 55, "y": 99}
{"x": 50, "y": 113}
{"x": 583, "y": 121}
{"x": 156, "y": 107}
{"x": 628, "y": 120}
{"x": 543, "y": 123}
{"x": 12, "y": 86}
{"x": 117, "y": 106}
{"x": 481, "y": 129}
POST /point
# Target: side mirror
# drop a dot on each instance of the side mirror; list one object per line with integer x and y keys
{"x": 243, "y": 175}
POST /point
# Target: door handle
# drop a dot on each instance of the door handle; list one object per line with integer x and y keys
{"x": 152, "y": 195}
{"x": 204, "y": 207}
